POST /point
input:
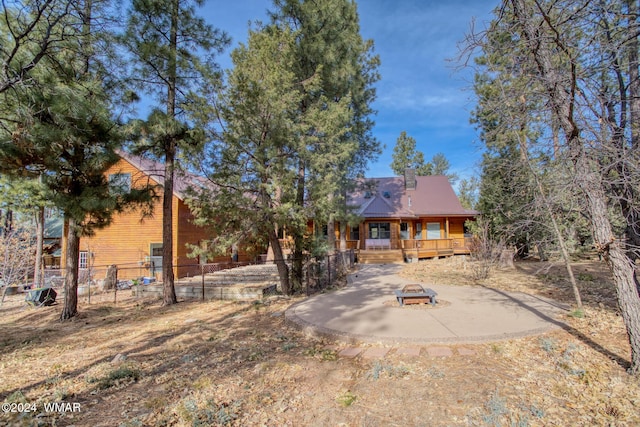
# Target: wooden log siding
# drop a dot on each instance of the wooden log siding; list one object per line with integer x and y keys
{"x": 127, "y": 241}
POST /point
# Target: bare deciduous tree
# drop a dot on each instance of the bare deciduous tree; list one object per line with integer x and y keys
{"x": 16, "y": 258}
{"x": 578, "y": 61}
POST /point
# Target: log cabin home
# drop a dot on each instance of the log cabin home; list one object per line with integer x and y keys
{"x": 407, "y": 218}
{"x": 134, "y": 243}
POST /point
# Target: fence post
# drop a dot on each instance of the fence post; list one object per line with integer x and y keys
{"x": 202, "y": 268}
{"x": 329, "y": 269}
{"x": 115, "y": 289}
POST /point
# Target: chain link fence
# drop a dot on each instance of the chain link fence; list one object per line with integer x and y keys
{"x": 102, "y": 283}
{"x": 324, "y": 272}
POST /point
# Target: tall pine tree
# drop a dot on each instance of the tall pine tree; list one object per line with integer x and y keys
{"x": 172, "y": 51}
{"x": 251, "y": 167}
{"x": 336, "y": 70}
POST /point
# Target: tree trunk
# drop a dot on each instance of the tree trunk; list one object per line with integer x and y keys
{"x": 169, "y": 292}
{"x": 343, "y": 236}
{"x": 628, "y": 298}
{"x": 8, "y": 222}
{"x": 633, "y": 221}
{"x": 38, "y": 279}
{"x": 331, "y": 235}
{"x": 614, "y": 252}
{"x": 298, "y": 237}
{"x": 71, "y": 271}
{"x": 563, "y": 246}
{"x": 634, "y": 77}
{"x": 278, "y": 258}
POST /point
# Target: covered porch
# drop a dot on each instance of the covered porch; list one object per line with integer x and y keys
{"x": 396, "y": 240}
{"x": 408, "y": 239}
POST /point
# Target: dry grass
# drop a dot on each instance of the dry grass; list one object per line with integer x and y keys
{"x": 223, "y": 363}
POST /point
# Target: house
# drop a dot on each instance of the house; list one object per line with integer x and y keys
{"x": 134, "y": 243}
{"x": 407, "y": 218}
{"x": 53, "y": 226}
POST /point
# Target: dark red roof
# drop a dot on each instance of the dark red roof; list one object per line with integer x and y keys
{"x": 388, "y": 198}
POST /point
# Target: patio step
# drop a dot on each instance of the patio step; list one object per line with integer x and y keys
{"x": 381, "y": 257}
{"x": 237, "y": 276}
{"x": 248, "y": 292}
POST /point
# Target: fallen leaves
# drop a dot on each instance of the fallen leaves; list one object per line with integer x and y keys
{"x": 226, "y": 363}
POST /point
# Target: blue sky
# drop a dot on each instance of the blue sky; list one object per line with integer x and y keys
{"x": 420, "y": 91}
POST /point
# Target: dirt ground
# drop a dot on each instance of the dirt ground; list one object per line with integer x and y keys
{"x": 135, "y": 363}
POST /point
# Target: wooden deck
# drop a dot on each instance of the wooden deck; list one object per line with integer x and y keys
{"x": 414, "y": 249}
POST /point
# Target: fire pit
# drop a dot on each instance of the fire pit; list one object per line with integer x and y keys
{"x": 416, "y": 294}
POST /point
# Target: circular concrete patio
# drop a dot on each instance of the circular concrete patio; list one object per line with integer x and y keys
{"x": 365, "y": 311}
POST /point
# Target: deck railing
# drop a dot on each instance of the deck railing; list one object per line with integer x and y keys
{"x": 463, "y": 243}
{"x": 431, "y": 244}
{"x": 437, "y": 244}
{"x": 455, "y": 244}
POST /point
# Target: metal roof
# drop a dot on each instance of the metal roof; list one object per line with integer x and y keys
{"x": 433, "y": 196}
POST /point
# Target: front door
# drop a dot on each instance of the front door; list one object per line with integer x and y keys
{"x": 418, "y": 233}
{"x": 155, "y": 250}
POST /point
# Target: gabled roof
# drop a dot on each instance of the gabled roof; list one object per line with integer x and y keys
{"x": 155, "y": 170}
{"x": 388, "y": 198}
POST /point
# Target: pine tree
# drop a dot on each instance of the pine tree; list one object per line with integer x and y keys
{"x": 60, "y": 126}
{"x": 405, "y": 156}
{"x": 336, "y": 70}
{"x": 251, "y": 168}
{"x": 172, "y": 53}
{"x": 468, "y": 192}
{"x": 29, "y": 33}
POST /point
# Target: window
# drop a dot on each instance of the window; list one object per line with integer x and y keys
{"x": 354, "y": 233}
{"x": 83, "y": 260}
{"x": 418, "y": 235}
{"x": 155, "y": 249}
{"x": 433, "y": 230}
{"x": 120, "y": 182}
{"x": 404, "y": 230}
{"x": 379, "y": 230}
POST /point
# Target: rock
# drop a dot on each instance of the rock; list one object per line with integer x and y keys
{"x": 119, "y": 358}
{"x": 111, "y": 278}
